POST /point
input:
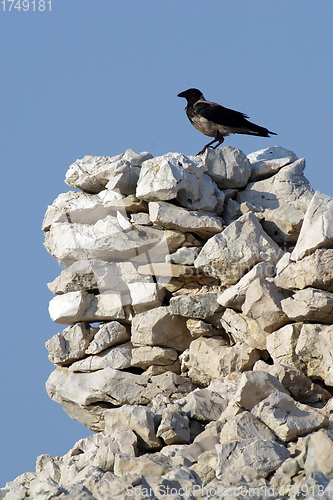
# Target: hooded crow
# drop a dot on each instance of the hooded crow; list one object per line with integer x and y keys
{"x": 216, "y": 121}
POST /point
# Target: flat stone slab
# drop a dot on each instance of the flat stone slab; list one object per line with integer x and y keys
{"x": 169, "y": 216}
{"x": 287, "y": 418}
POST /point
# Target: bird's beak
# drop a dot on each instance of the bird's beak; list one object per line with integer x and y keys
{"x": 182, "y": 94}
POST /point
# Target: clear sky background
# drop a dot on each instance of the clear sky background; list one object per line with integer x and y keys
{"x": 100, "y": 76}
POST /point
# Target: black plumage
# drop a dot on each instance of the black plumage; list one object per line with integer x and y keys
{"x": 216, "y": 121}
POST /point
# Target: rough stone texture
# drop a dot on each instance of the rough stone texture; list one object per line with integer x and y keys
{"x": 184, "y": 256}
{"x": 200, "y": 306}
{"x": 314, "y": 351}
{"x": 174, "y": 427}
{"x": 143, "y": 357}
{"x": 266, "y": 162}
{"x": 118, "y": 357}
{"x": 106, "y": 240}
{"x": 228, "y": 255}
{"x": 83, "y": 306}
{"x": 98, "y": 275}
{"x": 299, "y": 385}
{"x": 199, "y": 328}
{"x": 84, "y": 208}
{"x": 137, "y": 418}
{"x": 145, "y": 296}
{"x": 319, "y": 454}
{"x": 168, "y": 216}
{"x": 282, "y": 199}
{"x": 315, "y": 270}
{"x": 244, "y": 426}
{"x": 242, "y": 328}
{"x": 71, "y": 344}
{"x": 287, "y": 418}
{"x": 108, "y": 335}
{"x": 93, "y": 173}
{"x": 176, "y": 176}
{"x": 309, "y": 304}
{"x": 253, "y": 457}
{"x": 159, "y": 327}
{"x": 317, "y": 227}
{"x": 263, "y": 303}
{"x": 281, "y": 344}
{"x": 234, "y": 296}
{"x": 227, "y": 166}
{"x": 212, "y": 358}
{"x": 255, "y": 386}
{"x": 203, "y": 405}
{"x": 83, "y": 395}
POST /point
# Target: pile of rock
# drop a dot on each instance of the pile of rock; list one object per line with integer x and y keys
{"x": 198, "y": 294}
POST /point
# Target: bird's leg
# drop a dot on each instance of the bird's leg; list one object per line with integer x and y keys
{"x": 205, "y": 147}
{"x": 221, "y": 139}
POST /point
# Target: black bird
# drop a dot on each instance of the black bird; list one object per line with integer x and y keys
{"x": 216, "y": 121}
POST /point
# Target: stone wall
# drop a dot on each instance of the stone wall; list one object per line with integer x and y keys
{"x": 197, "y": 294}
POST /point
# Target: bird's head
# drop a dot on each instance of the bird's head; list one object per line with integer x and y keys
{"x": 192, "y": 95}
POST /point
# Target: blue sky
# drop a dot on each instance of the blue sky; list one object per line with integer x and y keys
{"x": 98, "y": 77}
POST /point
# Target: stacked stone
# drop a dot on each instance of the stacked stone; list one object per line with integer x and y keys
{"x": 198, "y": 297}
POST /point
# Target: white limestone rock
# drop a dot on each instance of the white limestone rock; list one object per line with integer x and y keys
{"x": 309, "y": 304}
{"x": 245, "y": 329}
{"x": 147, "y": 465}
{"x": 106, "y": 240}
{"x": 229, "y": 255}
{"x": 141, "y": 218}
{"x": 315, "y": 270}
{"x": 317, "y": 227}
{"x": 83, "y": 394}
{"x": 159, "y": 327}
{"x": 268, "y": 161}
{"x": 174, "y": 427}
{"x": 184, "y": 256}
{"x": 137, "y": 418}
{"x": 199, "y": 328}
{"x": 71, "y": 344}
{"x": 92, "y": 173}
{"x": 169, "y": 216}
{"x": 299, "y": 385}
{"x": 244, "y": 426}
{"x": 98, "y": 275}
{"x": 82, "y": 306}
{"x": 263, "y": 302}
{"x": 210, "y": 358}
{"x": 319, "y": 454}
{"x": 287, "y": 418}
{"x": 145, "y": 296}
{"x": 254, "y": 386}
{"x": 176, "y": 176}
{"x": 108, "y": 335}
{"x": 203, "y": 405}
{"x": 234, "y": 296}
{"x": 253, "y": 457}
{"x": 144, "y": 357}
{"x": 232, "y": 211}
{"x": 84, "y": 208}
{"x": 281, "y": 344}
{"x": 200, "y": 306}
{"x": 314, "y": 351}
{"x": 118, "y": 358}
{"x": 227, "y": 166}
{"x": 282, "y": 199}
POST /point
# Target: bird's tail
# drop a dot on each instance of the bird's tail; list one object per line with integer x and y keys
{"x": 254, "y": 129}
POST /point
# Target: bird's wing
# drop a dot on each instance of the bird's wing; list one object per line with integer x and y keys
{"x": 220, "y": 115}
